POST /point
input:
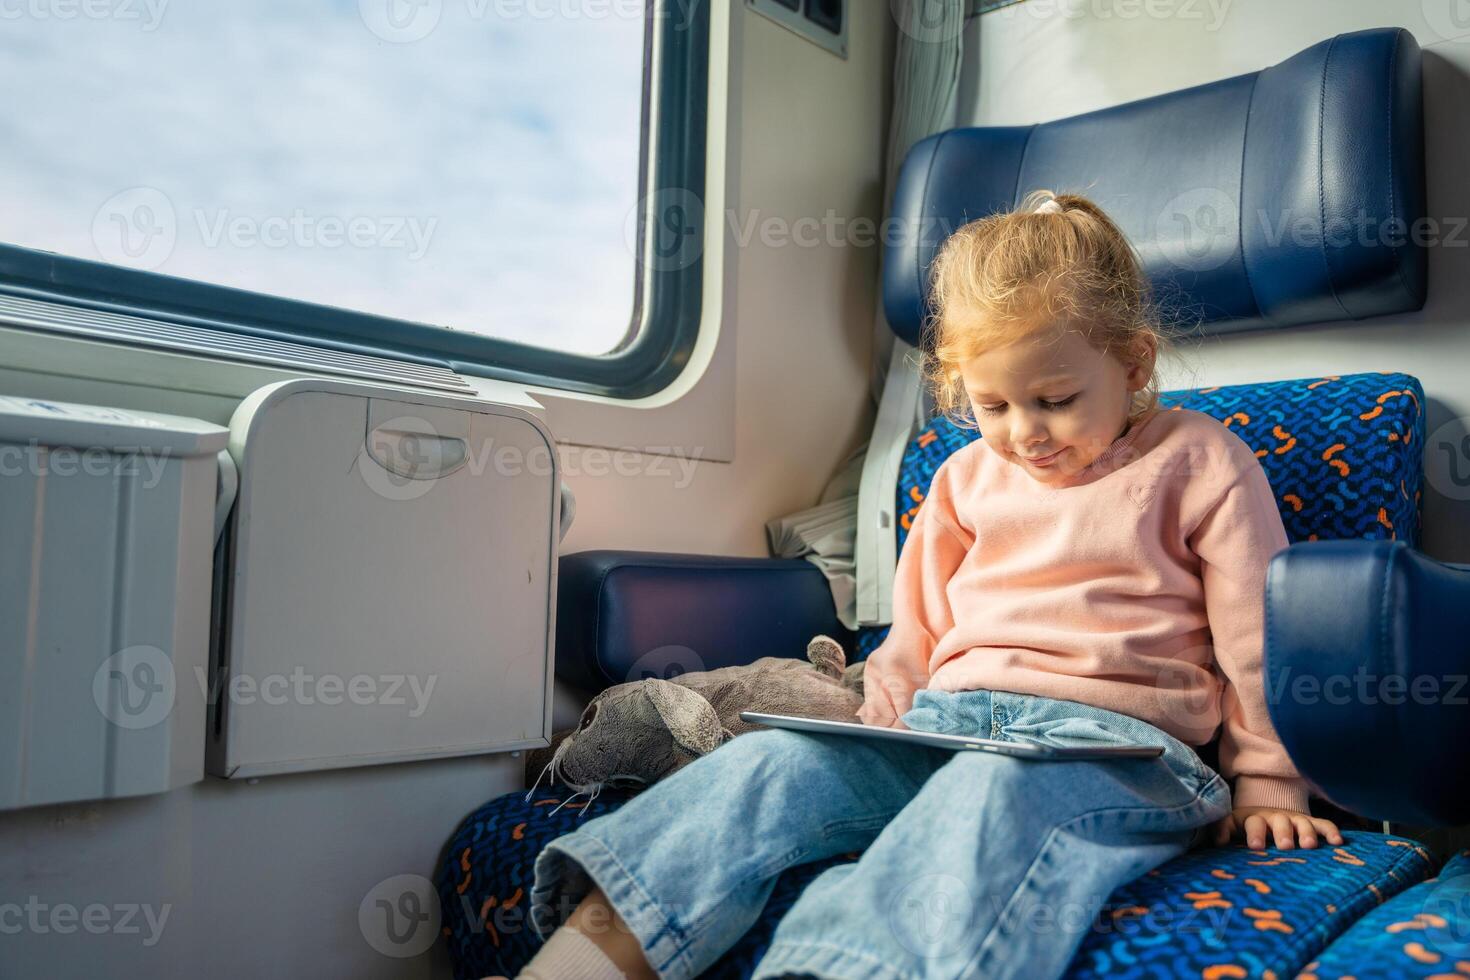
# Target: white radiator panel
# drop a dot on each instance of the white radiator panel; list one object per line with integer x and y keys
{"x": 106, "y": 521}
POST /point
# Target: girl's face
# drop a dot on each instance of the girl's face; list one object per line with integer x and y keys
{"x": 1052, "y": 403}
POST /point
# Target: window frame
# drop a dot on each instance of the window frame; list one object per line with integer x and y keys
{"x": 667, "y": 302}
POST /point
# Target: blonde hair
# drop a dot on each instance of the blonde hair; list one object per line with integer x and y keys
{"x": 1017, "y": 275}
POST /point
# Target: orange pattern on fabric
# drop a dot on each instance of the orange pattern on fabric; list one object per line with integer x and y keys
{"x": 1221, "y": 971}
{"x": 464, "y": 865}
{"x": 1290, "y": 440}
{"x": 1419, "y": 954}
{"x": 1268, "y": 920}
{"x": 1421, "y": 920}
{"x": 1207, "y": 900}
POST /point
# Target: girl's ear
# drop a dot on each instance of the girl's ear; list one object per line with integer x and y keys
{"x": 1140, "y": 362}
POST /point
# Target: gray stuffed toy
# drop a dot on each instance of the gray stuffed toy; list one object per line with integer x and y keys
{"x": 637, "y": 733}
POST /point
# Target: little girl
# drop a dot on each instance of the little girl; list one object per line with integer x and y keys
{"x": 1090, "y": 572}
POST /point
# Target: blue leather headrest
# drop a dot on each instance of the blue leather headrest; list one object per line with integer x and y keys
{"x": 1283, "y": 197}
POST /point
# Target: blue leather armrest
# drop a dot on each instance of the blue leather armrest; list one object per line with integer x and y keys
{"x": 626, "y": 615}
{"x": 1367, "y": 657}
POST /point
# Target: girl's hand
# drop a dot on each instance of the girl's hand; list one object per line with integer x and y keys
{"x": 1285, "y": 826}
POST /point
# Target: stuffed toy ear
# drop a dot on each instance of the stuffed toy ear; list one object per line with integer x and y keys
{"x": 826, "y": 655}
{"x": 690, "y": 718}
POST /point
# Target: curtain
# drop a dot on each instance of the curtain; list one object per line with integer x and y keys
{"x": 850, "y": 533}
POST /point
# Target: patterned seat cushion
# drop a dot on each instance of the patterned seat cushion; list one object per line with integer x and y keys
{"x": 1220, "y": 913}
{"x": 1422, "y": 934}
{"x": 1344, "y": 456}
{"x": 1343, "y": 453}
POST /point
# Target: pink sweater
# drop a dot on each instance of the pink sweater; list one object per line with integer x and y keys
{"x": 1137, "y": 586}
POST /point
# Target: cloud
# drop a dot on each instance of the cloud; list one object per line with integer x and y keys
{"x": 275, "y": 129}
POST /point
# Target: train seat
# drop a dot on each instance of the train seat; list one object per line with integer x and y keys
{"x": 1344, "y": 457}
{"x": 1332, "y": 131}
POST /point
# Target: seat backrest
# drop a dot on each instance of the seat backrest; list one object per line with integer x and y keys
{"x": 1344, "y": 455}
{"x": 1287, "y": 196}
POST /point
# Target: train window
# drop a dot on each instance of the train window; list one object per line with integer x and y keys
{"x": 506, "y": 187}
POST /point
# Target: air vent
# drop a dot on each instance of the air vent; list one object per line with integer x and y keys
{"x": 823, "y": 22}
{"x": 141, "y": 331}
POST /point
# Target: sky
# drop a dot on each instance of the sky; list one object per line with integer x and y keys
{"x": 465, "y": 163}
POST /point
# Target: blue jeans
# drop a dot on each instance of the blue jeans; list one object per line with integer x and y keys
{"x": 973, "y": 864}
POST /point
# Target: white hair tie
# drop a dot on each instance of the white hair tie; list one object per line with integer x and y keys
{"x": 1048, "y": 207}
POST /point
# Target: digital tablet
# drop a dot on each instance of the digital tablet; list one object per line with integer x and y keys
{"x": 1021, "y": 750}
